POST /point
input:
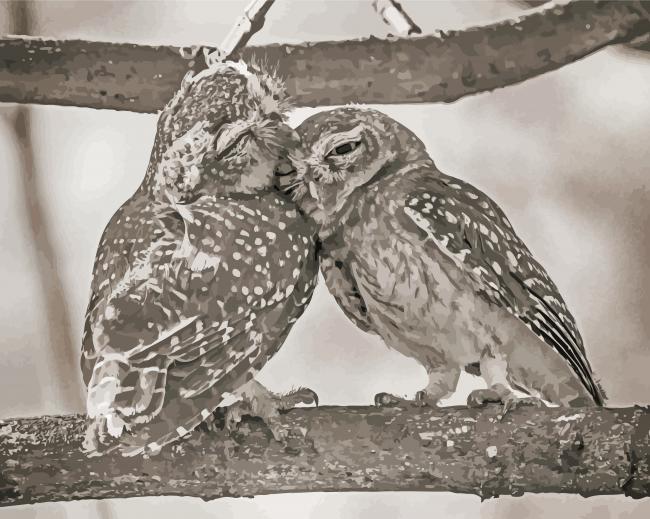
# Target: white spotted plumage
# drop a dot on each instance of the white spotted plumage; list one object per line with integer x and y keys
{"x": 432, "y": 264}
{"x": 179, "y": 314}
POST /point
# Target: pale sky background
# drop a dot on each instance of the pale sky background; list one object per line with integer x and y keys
{"x": 565, "y": 154}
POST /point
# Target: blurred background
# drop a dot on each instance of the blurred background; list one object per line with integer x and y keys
{"x": 566, "y": 155}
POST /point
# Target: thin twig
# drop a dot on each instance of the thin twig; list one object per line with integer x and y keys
{"x": 394, "y": 15}
{"x": 243, "y": 30}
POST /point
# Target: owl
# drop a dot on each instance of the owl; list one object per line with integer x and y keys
{"x": 200, "y": 275}
{"x": 433, "y": 266}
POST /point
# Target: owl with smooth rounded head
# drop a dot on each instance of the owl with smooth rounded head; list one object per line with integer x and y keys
{"x": 201, "y": 274}
{"x": 433, "y": 266}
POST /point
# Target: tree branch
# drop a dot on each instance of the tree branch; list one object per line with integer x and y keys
{"x": 641, "y": 44}
{"x": 583, "y": 451}
{"x": 441, "y": 67}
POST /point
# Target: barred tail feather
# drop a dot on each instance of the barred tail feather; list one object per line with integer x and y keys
{"x": 106, "y": 383}
{"x": 178, "y": 418}
{"x": 125, "y": 394}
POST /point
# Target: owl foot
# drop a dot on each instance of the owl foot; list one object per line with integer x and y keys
{"x": 94, "y": 439}
{"x": 258, "y": 401}
{"x": 97, "y": 441}
{"x": 388, "y": 400}
{"x": 513, "y": 401}
{"x": 510, "y": 401}
{"x": 482, "y": 397}
{"x": 422, "y": 398}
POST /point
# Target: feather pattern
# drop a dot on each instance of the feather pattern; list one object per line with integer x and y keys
{"x": 432, "y": 264}
{"x": 472, "y": 231}
{"x": 223, "y": 281}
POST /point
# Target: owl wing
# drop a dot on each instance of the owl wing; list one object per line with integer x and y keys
{"x": 471, "y": 230}
{"x": 188, "y": 304}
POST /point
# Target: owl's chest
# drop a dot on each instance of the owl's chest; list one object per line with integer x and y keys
{"x": 388, "y": 265}
{"x": 412, "y": 291}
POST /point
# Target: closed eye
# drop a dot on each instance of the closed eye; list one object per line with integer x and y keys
{"x": 284, "y": 169}
{"x": 232, "y": 144}
{"x": 344, "y": 149}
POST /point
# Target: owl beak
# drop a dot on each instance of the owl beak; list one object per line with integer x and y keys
{"x": 313, "y": 190}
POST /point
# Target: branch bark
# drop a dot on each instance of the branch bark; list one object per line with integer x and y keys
{"x": 581, "y": 451}
{"x": 441, "y": 67}
{"x": 639, "y": 45}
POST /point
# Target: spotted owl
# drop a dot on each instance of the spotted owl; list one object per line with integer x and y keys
{"x": 200, "y": 275}
{"x": 433, "y": 266}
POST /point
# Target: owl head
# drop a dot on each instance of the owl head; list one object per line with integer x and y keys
{"x": 343, "y": 150}
{"x": 223, "y": 133}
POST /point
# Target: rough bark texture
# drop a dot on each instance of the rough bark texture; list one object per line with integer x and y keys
{"x": 584, "y": 451}
{"x": 440, "y": 67}
{"x": 640, "y": 45}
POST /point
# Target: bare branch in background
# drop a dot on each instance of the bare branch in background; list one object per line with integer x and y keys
{"x": 396, "y": 17}
{"x": 432, "y": 68}
{"x": 586, "y": 451}
{"x": 63, "y": 359}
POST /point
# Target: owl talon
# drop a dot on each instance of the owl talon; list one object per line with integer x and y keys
{"x": 279, "y": 433}
{"x": 258, "y": 401}
{"x": 210, "y": 424}
{"x": 91, "y": 443}
{"x": 302, "y": 395}
{"x": 388, "y": 400}
{"x": 234, "y": 415}
{"x": 482, "y": 397}
{"x": 510, "y": 401}
{"x": 423, "y": 399}
{"x": 97, "y": 441}
{"x": 513, "y": 401}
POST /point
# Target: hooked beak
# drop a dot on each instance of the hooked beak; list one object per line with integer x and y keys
{"x": 313, "y": 191}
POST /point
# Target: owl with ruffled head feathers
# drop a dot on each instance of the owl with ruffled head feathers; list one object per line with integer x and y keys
{"x": 200, "y": 275}
{"x": 433, "y": 266}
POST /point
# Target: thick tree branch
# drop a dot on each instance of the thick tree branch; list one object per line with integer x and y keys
{"x": 584, "y": 451}
{"x": 441, "y": 67}
{"x": 641, "y": 44}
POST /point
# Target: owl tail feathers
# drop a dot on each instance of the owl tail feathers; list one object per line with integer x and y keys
{"x": 120, "y": 394}
{"x": 593, "y": 386}
{"x": 178, "y": 418}
{"x": 143, "y": 399}
{"x": 599, "y": 394}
